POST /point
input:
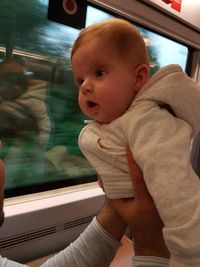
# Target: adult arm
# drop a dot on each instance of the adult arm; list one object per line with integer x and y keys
{"x": 96, "y": 246}
{"x": 98, "y": 243}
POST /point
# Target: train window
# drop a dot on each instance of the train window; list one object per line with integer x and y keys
{"x": 39, "y": 116}
{"x": 157, "y": 44}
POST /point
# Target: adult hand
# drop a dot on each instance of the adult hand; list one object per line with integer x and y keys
{"x": 110, "y": 220}
{"x": 141, "y": 215}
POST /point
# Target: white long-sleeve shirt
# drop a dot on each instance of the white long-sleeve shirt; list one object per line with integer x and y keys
{"x": 94, "y": 248}
{"x": 160, "y": 143}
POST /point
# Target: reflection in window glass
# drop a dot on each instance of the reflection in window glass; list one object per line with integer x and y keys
{"x": 39, "y": 115}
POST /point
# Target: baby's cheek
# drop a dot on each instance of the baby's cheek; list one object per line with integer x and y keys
{"x": 80, "y": 101}
{"x": 104, "y": 99}
{"x": 82, "y": 106}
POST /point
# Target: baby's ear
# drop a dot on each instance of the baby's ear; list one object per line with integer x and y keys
{"x": 142, "y": 75}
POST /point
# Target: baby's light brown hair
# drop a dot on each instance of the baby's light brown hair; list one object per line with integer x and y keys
{"x": 118, "y": 33}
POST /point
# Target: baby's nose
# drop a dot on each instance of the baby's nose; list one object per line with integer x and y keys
{"x": 86, "y": 87}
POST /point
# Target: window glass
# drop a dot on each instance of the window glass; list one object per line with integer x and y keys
{"x": 157, "y": 45}
{"x": 39, "y": 115}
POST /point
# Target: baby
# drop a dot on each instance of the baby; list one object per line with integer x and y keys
{"x": 156, "y": 117}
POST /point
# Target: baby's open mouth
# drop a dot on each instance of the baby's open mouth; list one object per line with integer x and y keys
{"x": 91, "y": 104}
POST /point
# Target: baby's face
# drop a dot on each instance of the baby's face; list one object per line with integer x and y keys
{"x": 106, "y": 82}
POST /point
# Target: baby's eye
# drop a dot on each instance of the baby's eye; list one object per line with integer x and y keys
{"x": 100, "y": 72}
{"x": 79, "y": 81}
